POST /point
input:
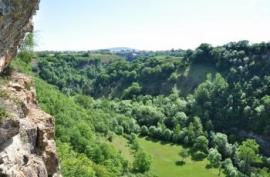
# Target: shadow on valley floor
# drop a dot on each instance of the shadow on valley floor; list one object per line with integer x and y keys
{"x": 158, "y": 141}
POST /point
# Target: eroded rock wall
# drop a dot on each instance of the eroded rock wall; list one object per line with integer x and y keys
{"x": 27, "y": 146}
{"x": 15, "y": 21}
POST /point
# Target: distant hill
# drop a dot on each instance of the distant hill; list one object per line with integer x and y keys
{"x": 121, "y": 49}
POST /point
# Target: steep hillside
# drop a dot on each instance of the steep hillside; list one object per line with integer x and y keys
{"x": 99, "y": 74}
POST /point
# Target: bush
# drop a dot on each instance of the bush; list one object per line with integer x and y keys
{"x": 201, "y": 143}
{"x": 142, "y": 162}
{"x": 144, "y": 130}
{"x": 119, "y": 130}
{"x": 199, "y": 155}
{"x": 26, "y": 53}
{"x": 133, "y": 90}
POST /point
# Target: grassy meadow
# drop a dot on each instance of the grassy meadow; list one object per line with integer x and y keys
{"x": 165, "y": 157}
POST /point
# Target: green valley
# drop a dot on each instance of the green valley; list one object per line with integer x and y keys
{"x": 142, "y": 88}
{"x": 199, "y": 108}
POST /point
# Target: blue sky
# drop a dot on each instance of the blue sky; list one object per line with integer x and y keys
{"x": 149, "y": 24}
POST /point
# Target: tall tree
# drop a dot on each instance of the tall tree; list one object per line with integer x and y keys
{"x": 215, "y": 158}
{"x": 247, "y": 154}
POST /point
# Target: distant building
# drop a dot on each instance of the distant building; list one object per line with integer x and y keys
{"x": 4, "y": 7}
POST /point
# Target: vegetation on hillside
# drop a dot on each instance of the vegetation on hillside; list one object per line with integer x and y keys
{"x": 203, "y": 99}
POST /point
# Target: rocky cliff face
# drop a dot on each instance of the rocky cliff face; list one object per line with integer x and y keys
{"x": 15, "y": 21}
{"x": 27, "y": 147}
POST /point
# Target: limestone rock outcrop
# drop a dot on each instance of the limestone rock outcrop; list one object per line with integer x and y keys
{"x": 27, "y": 146}
{"x": 15, "y": 21}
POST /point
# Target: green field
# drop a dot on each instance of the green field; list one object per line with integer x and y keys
{"x": 121, "y": 144}
{"x": 165, "y": 157}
